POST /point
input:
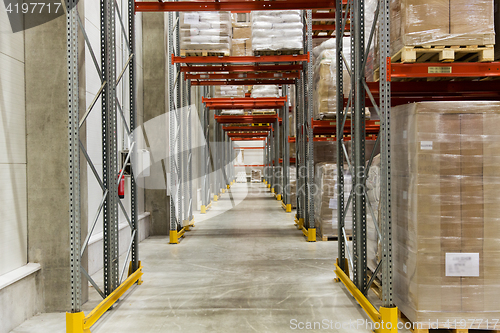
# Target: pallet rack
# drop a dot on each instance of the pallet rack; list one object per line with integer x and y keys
{"x": 285, "y": 70}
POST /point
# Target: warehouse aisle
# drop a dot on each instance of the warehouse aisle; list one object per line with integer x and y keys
{"x": 242, "y": 269}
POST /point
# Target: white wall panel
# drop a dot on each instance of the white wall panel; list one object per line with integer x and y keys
{"x": 13, "y": 210}
{"x": 13, "y": 214}
{"x": 12, "y": 111}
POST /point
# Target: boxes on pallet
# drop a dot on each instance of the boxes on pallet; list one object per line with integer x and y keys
{"x": 497, "y": 29}
{"x": 326, "y": 151}
{"x": 446, "y": 185}
{"x": 325, "y": 200}
{"x": 293, "y": 186}
{"x": 256, "y": 176}
{"x": 441, "y": 23}
{"x": 373, "y": 248}
{"x": 277, "y": 30}
{"x": 205, "y": 31}
{"x": 229, "y": 91}
{"x": 242, "y": 41}
{"x": 269, "y": 90}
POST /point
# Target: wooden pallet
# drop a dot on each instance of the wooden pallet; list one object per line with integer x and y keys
{"x": 434, "y": 53}
{"x": 263, "y": 112}
{"x": 204, "y": 53}
{"x": 417, "y": 328}
{"x": 327, "y": 238}
{"x": 277, "y": 52}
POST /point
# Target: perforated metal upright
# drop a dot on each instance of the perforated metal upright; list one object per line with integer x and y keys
{"x": 174, "y": 139}
{"x": 111, "y": 108}
{"x": 339, "y": 32}
{"x": 285, "y": 192}
{"x": 74, "y": 156}
{"x": 358, "y": 196}
{"x": 309, "y": 140}
{"x": 385, "y": 148}
{"x": 109, "y": 146}
{"x": 205, "y": 164}
{"x": 276, "y": 157}
{"x": 358, "y": 145}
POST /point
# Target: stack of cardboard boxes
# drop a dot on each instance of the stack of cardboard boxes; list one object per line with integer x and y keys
{"x": 242, "y": 35}
{"x": 441, "y": 22}
{"x": 446, "y": 216}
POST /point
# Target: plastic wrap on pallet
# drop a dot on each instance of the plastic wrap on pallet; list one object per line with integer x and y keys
{"x": 293, "y": 186}
{"x": 373, "y": 248}
{"x": 269, "y": 90}
{"x": 229, "y": 91}
{"x": 441, "y": 23}
{"x": 277, "y": 30}
{"x": 445, "y": 211}
{"x": 256, "y": 176}
{"x": 232, "y": 112}
{"x": 326, "y": 151}
{"x": 325, "y": 79}
{"x": 242, "y": 40}
{"x": 207, "y": 31}
{"x": 325, "y": 199}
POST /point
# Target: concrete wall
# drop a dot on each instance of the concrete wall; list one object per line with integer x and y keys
{"x": 155, "y": 105}
{"x": 47, "y": 158}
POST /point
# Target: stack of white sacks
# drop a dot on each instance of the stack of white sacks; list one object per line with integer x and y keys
{"x": 265, "y": 91}
{"x": 373, "y": 249}
{"x": 228, "y": 92}
{"x": 208, "y": 31}
{"x": 277, "y": 30}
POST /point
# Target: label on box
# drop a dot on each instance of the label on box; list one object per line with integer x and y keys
{"x": 405, "y": 195}
{"x": 426, "y": 145}
{"x": 191, "y": 18}
{"x": 462, "y": 264}
{"x": 405, "y": 134}
{"x": 333, "y": 203}
{"x": 405, "y": 269}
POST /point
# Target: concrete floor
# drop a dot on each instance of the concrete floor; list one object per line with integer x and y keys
{"x": 243, "y": 268}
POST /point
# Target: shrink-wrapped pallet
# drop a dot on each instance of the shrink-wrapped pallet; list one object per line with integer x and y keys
{"x": 205, "y": 31}
{"x": 373, "y": 249}
{"x": 293, "y": 186}
{"x": 242, "y": 41}
{"x": 325, "y": 200}
{"x": 441, "y": 23}
{"x": 269, "y": 90}
{"x": 229, "y": 91}
{"x": 326, "y": 151}
{"x": 445, "y": 211}
{"x": 277, "y": 30}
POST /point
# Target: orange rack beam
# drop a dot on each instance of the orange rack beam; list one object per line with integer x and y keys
{"x": 195, "y": 6}
{"x": 264, "y": 118}
{"x": 330, "y": 126}
{"x": 239, "y": 59}
{"x": 240, "y": 82}
{"x": 245, "y": 103}
{"x": 457, "y": 69}
{"x": 248, "y": 139}
{"x": 247, "y": 128}
{"x": 248, "y": 135}
{"x": 241, "y": 68}
{"x": 246, "y": 75}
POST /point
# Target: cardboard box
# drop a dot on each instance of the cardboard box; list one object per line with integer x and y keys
{"x": 446, "y": 191}
{"x": 238, "y": 47}
{"x": 242, "y": 33}
{"x": 472, "y": 22}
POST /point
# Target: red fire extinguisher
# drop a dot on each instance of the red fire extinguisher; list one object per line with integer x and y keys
{"x": 121, "y": 186}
